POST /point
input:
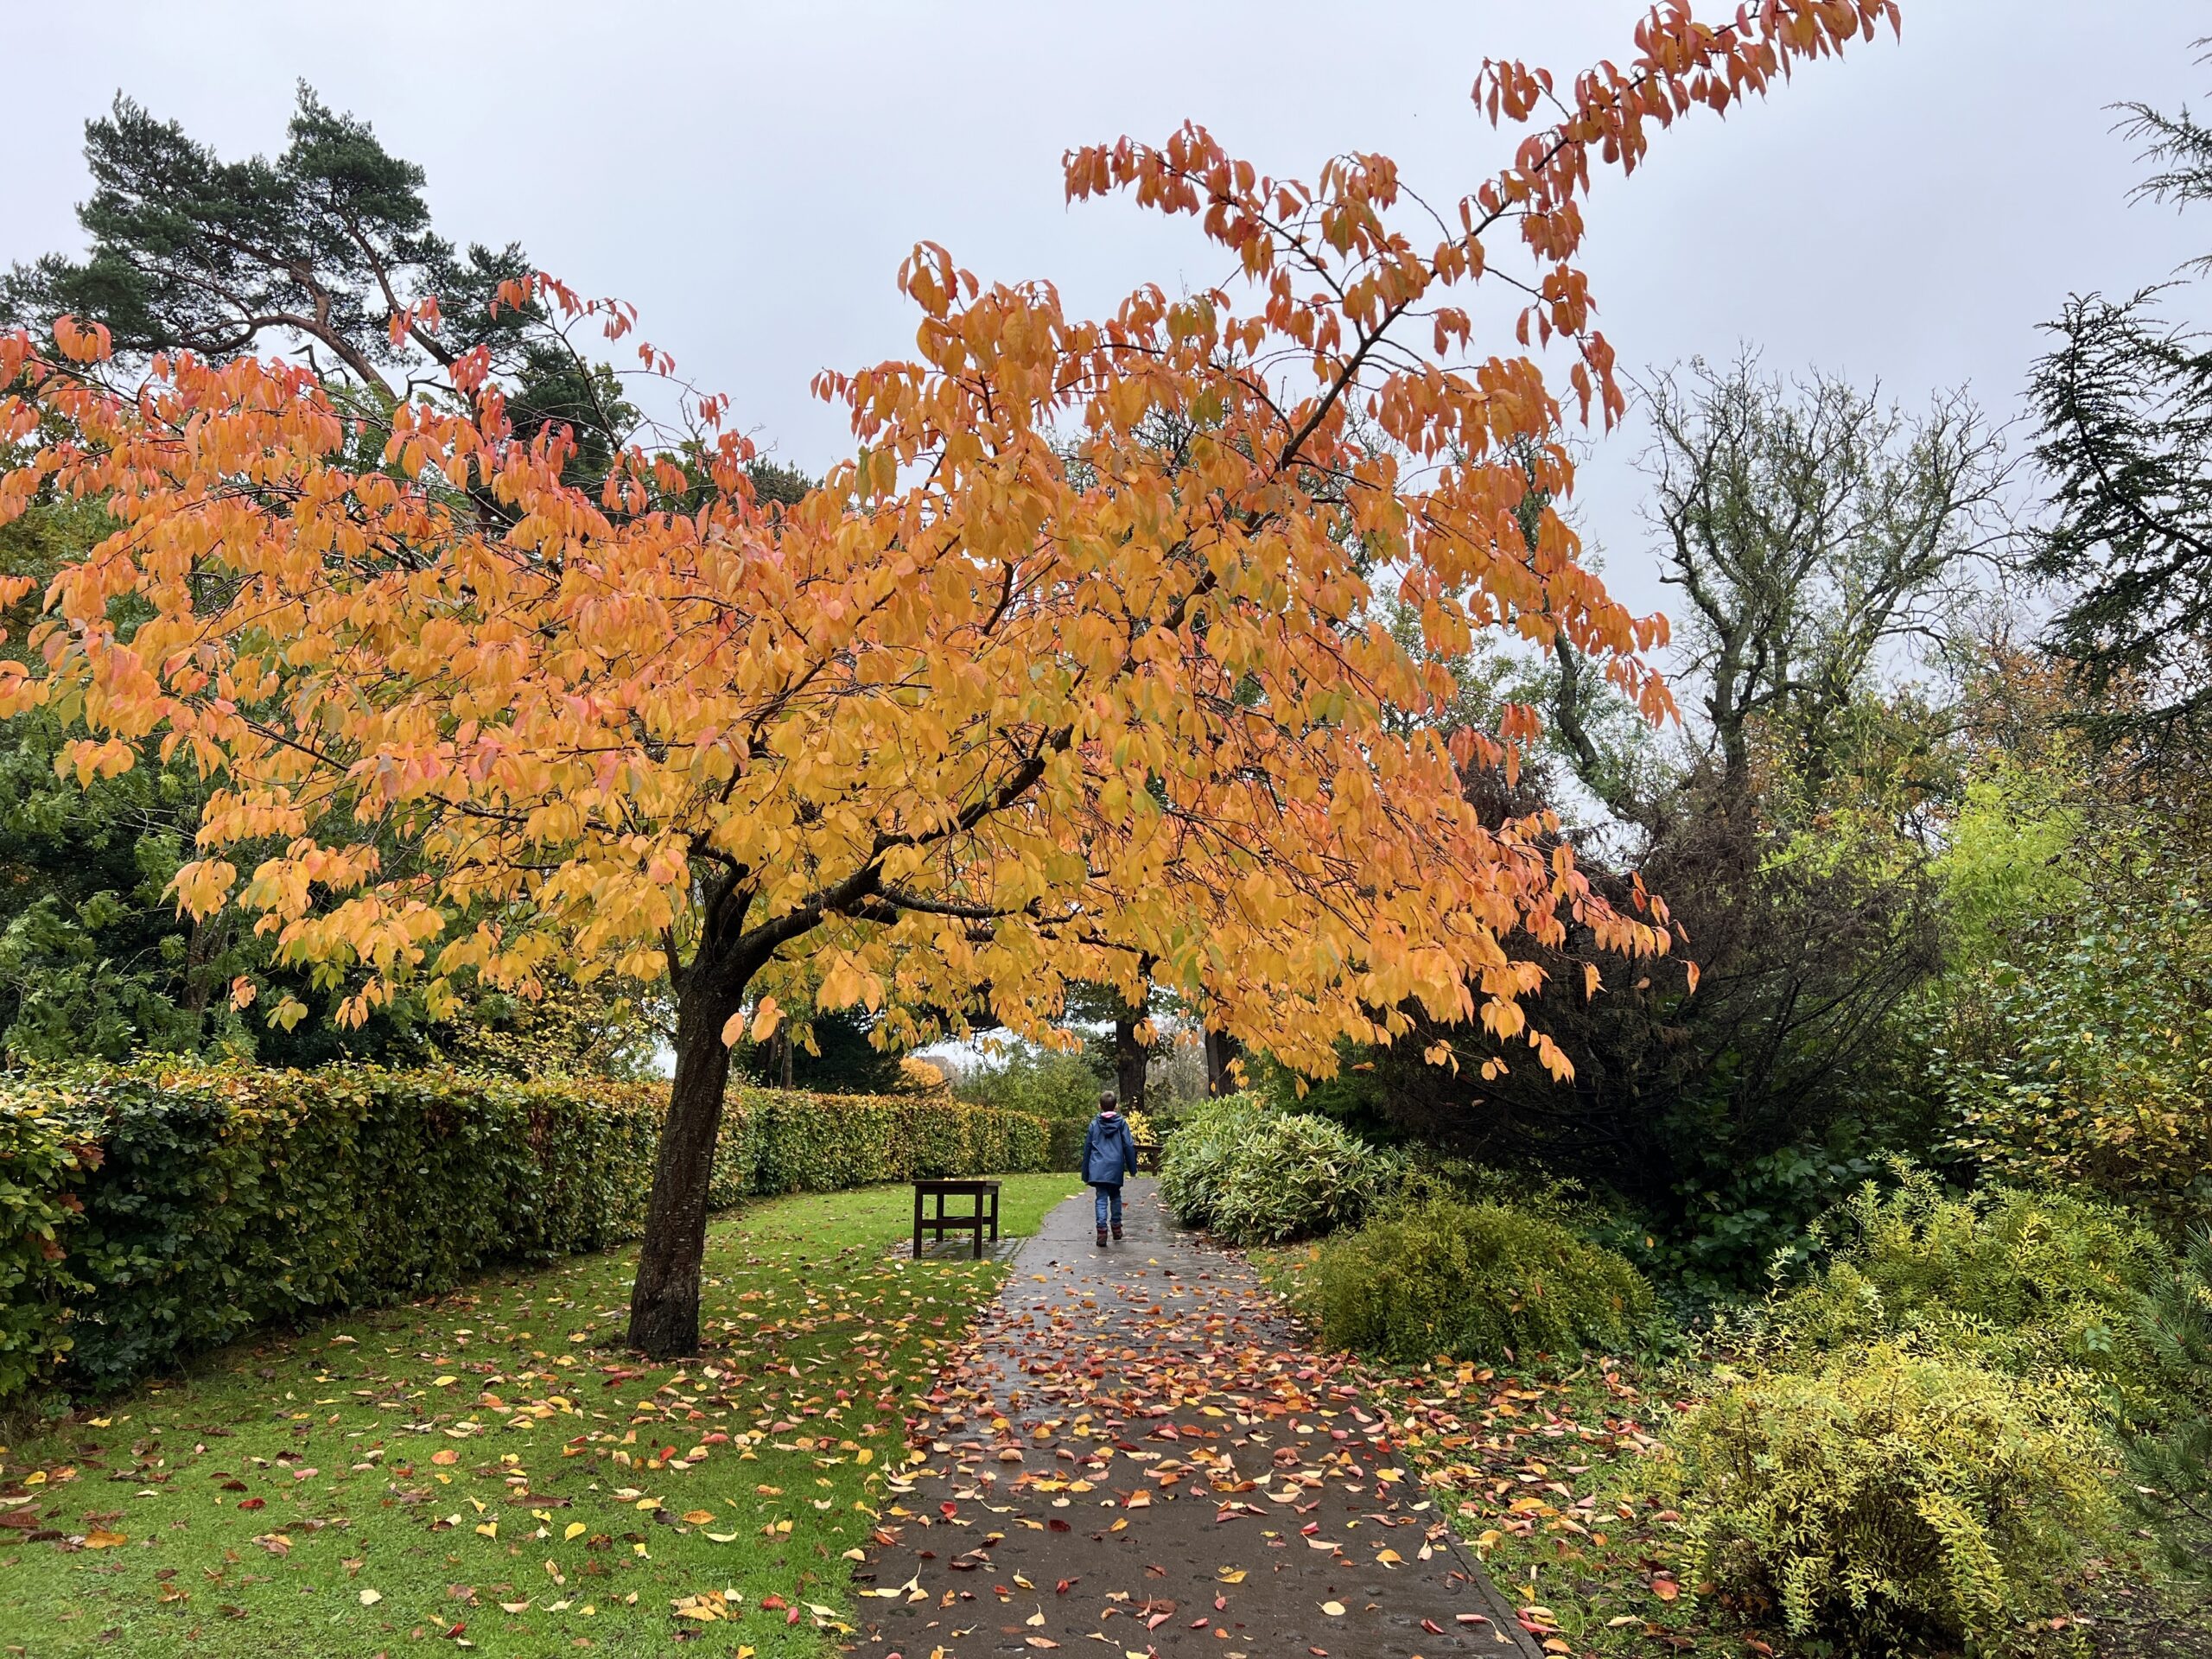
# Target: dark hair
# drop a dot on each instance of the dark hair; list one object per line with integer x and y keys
{"x": 1107, "y": 1100}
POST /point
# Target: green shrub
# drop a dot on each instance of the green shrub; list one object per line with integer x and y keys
{"x": 2169, "y": 1457}
{"x": 152, "y": 1211}
{"x": 2025, "y": 1281}
{"x": 1194, "y": 1164}
{"x": 1042, "y": 1082}
{"x": 1254, "y": 1175}
{"x": 2083, "y": 1064}
{"x": 1065, "y": 1138}
{"x": 42, "y": 1158}
{"x": 1890, "y": 1498}
{"x": 1475, "y": 1281}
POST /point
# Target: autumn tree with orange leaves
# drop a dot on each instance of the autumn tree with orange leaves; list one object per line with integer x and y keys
{"x": 1074, "y": 665}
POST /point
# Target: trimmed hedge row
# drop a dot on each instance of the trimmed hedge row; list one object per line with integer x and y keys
{"x": 150, "y": 1211}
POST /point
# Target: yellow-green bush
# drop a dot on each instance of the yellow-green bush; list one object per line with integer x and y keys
{"x": 1891, "y": 1498}
{"x": 153, "y": 1211}
{"x": 2026, "y": 1281}
{"x": 1475, "y": 1281}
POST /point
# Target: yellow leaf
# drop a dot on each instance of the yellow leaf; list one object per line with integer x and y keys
{"x": 1230, "y": 1575}
{"x": 443, "y": 1381}
{"x": 1333, "y": 1608}
{"x": 370, "y": 1598}
{"x": 105, "y": 1539}
{"x": 574, "y": 1530}
{"x": 488, "y": 1529}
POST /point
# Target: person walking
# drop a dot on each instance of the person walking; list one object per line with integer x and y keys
{"x": 1109, "y": 1154}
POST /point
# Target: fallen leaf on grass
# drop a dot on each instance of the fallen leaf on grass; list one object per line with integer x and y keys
{"x": 370, "y": 1598}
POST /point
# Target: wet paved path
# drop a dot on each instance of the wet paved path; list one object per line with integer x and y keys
{"x": 1136, "y": 1452}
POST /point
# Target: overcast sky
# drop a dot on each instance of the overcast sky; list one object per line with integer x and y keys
{"x": 750, "y": 176}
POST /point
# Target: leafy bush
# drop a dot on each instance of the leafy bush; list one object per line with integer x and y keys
{"x": 1258, "y": 1176}
{"x": 1195, "y": 1163}
{"x": 1041, "y": 1082}
{"x": 2026, "y": 1281}
{"x": 1473, "y": 1281}
{"x": 1890, "y": 1498}
{"x": 1733, "y": 1218}
{"x": 2084, "y": 1063}
{"x": 152, "y": 1211}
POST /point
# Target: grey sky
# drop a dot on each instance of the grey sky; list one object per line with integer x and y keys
{"x": 750, "y": 176}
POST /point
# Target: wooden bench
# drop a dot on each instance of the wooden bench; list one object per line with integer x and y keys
{"x": 1147, "y": 1157}
{"x": 984, "y": 1212}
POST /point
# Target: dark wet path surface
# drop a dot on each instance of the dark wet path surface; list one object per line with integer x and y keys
{"x": 1137, "y": 1456}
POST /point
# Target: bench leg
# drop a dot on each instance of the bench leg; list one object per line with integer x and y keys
{"x": 918, "y": 1224}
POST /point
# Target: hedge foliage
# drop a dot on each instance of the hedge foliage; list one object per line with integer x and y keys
{"x": 1475, "y": 1281}
{"x": 1890, "y": 1498}
{"x": 153, "y": 1210}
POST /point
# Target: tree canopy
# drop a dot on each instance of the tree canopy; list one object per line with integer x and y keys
{"x": 2124, "y": 399}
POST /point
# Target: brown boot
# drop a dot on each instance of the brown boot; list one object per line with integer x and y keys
{"x": 1117, "y": 1232}
{"x": 1102, "y": 1236}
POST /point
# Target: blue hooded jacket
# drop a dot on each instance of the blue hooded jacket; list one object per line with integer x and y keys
{"x": 1110, "y": 1151}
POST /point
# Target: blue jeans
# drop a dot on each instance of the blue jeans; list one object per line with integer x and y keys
{"x": 1108, "y": 1196}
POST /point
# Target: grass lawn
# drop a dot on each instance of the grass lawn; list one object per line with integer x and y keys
{"x": 491, "y": 1469}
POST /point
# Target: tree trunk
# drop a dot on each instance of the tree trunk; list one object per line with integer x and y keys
{"x": 664, "y": 1301}
{"x": 1221, "y": 1049}
{"x": 1129, "y": 1058}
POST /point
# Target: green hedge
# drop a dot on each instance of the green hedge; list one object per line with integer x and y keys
{"x": 151, "y": 1211}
